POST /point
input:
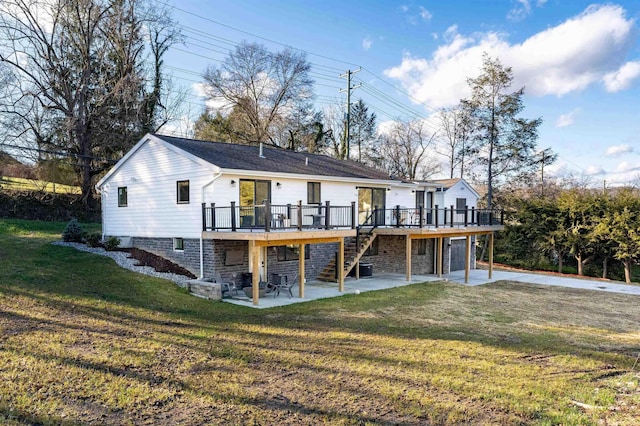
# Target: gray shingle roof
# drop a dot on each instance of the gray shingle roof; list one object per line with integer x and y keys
{"x": 276, "y": 160}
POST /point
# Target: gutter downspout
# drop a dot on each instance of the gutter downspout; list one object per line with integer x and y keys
{"x": 215, "y": 178}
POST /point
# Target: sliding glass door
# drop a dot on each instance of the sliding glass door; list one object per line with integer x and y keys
{"x": 253, "y": 195}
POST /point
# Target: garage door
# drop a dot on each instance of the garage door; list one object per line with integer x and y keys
{"x": 457, "y": 255}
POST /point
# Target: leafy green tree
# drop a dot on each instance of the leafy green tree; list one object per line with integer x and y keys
{"x": 621, "y": 225}
{"x": 363, "y": 128}
{"x": 502, "y": 144}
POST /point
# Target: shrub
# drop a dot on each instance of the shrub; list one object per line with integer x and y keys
{"x": 112, "y": 243}
{"x": 73, "y": 232}
{"x": 94, "y": 240}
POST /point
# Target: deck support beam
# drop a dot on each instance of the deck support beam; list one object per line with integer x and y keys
{"x": 301, "y": 277}
{"x": 408, "y": 256}
{"x": 490, "y": 255}
{"x": 254, "y": 251}
{"x": 467, "y": 259}
{"x": 340, "y": 265}
{"x": 440, "y": 260}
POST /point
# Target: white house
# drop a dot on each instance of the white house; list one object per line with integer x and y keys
{"x": 231, "y": 209}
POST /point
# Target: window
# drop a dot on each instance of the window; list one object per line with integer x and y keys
{"x": 178, "y": 244}
{"x": 183, "y": 192}
{"x": 122, "y": 196}
{"x": 292, "y": 252}
{"x": 461, "y": 205}
{"x": 373, "y": 249}
{"x": 313, "y": 193}
{"x": 421, "y": 246}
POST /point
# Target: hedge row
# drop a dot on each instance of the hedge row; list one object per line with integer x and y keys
{"x": 35, "y": 205}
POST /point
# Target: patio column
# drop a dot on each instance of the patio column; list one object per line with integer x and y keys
{"x": 490, "y": 255}
{"x": 340, "y": 265}
{"x": 467, "y": 259}
{"x": 301, "y": 271}
{"x": 408, "y": 254}
{"x": 254, "y": 251}
{"x": 440, "y": 261}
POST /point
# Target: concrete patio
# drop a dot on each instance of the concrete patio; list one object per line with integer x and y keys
{"x": 315, "y": 290}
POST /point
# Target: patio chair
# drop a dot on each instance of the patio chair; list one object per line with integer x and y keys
{"x": 225, "y": 286}
{"x": 287, "y": 285}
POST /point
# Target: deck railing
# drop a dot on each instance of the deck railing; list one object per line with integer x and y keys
{"x": 436, "y": 217}
{"x": 268, "y": 217}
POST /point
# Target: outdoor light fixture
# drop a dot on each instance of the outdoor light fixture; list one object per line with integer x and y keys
{"x": 233, "y": 182}
{"x": 278, "y": 184}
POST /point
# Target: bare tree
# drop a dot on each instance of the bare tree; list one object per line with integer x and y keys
{"x": 405, "y": 150}
{"x": 82, "y": 90}
{"x": 456, "y": 131}
{"x": 265, "y": 86}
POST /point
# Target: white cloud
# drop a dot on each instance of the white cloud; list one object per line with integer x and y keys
{"x": 519, "y": 12}
{"x": 595, "y": 171}
{"x": 615, "y": 151}
{"x": 625, "y": 167}
{"x": 559, "y": 60}
{"x": 567, "y": 119}
{"x": 367, "y": 43}
{"x": 425, "y": 14}
{"x": 622, "y": 78}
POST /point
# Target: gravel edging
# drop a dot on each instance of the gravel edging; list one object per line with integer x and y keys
{"x": 123, "y": 260}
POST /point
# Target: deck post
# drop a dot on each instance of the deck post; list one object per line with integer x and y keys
{"x": 301, "y": 277}
{"x": 421, "y": 213}
{"x": 255, "y": 271}
{"x": 204, "y": 217}
{"x": 267, "y": 216}
{"x": 340, "y": 265}
{"x": 473, "y": 216}
{"x": 490, "y": 255}
{"x": 440, "y": 260}
{"x": 466, "y": 216}
{"x": 397, "y": 215}
{"x": 354, "y": 222}
{"x": 233, "y": 216}
{"x": 327, "y": 215}
{"x": 436, "y": 216}
{"x": 467, "y": 259}
{"x": 213, "y": 216}
{"x": 452, "y": 212}
{"x": 299, "y": 215}
{"x": 408, "y": 254}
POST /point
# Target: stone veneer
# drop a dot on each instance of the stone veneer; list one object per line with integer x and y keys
{"x": 390, "y": 257}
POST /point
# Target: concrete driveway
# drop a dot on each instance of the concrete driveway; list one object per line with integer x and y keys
{"x": 479, "y": 277}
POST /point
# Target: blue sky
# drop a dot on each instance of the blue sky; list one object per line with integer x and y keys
{"x": 579, "y": 62}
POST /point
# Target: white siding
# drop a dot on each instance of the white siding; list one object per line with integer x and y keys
{"x": 150, "y": 176}
{"x": 459, "y": 190}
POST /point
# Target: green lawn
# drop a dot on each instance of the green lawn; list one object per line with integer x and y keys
{"x": 85, "y": 342}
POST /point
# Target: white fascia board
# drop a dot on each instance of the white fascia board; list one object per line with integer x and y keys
{"x": 146, "y": 139}
{"x": 274, "y": 175}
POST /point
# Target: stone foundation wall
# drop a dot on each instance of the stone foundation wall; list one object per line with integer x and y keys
{"x": 205, "y": 289}
{"x": 391, "y": 256}
{"x": 189, "y": 258}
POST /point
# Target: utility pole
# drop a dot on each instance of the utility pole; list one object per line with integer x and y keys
{"x": 349, "y": 88}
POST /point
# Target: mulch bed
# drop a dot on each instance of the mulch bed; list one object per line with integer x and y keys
{"x": 160, "y": 264}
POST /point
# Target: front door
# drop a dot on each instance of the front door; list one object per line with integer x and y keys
{"x": 253, "y": 195}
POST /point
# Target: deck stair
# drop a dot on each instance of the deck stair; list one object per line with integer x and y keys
{"x": 352, "y": 255}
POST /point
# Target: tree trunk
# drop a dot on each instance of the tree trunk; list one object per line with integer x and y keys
{"x": 560, "y": 263}
{"x": 579, "y": 259}
{"x": 605, "y": 263}
{"x": 627, "y": 270}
